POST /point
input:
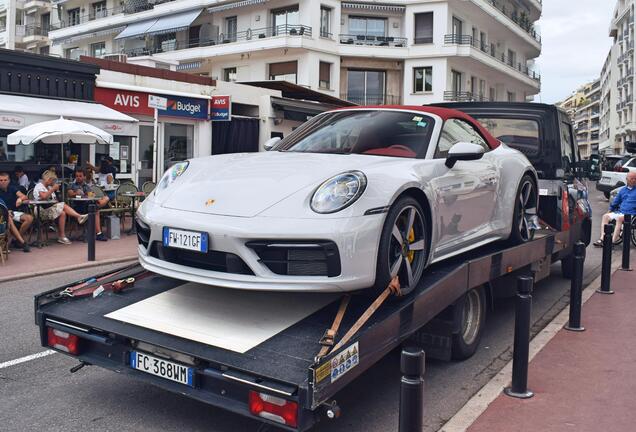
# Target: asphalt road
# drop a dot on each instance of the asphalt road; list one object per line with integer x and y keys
{"x": 41, "y": 394}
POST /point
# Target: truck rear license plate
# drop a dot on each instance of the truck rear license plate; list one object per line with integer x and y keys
{"x": 189, "y": 240}
{"x": 162, "y": 368}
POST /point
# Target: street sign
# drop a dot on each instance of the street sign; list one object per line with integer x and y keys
{"x": 157, "y": 102}
{"x": 221, "y": 108}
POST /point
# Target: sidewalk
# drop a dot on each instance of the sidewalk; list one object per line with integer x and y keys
{"x": 581, "y": 381}
{"x": 57, "y": 257}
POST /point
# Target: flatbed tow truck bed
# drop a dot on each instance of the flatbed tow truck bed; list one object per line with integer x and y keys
{"x": 284, "y": 365}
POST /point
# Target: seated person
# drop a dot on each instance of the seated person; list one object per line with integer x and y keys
{"x": 20, "y": 242}
{"x": 20, "y": 177}
{"x": 79, "y": 188}
{"x": 14, "y": 199}
{"x": 45, "y": 190}
{"x": 106, "y": 174}
{"x": 624, "y": 203}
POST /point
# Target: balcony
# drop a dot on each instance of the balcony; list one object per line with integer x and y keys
{"x": 462, "y": 96}
{"x": 129, "y": 7}
{"x": 521, "y": 20}
{"x": 372, "y": 99}
{"x": 36, "y": 31}
{"x": 453, "y": 39}
{"x": 386, "y": 41}
{"x": 221, "y": 39}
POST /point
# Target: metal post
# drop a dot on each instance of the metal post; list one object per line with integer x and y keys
{"x": 521, "y": 350}
{"x": 412, "y": 390}
{"x": 576, "y": 288}
{"x": 627, "y": 236}
{"x": 606, "y": 264}
{"x": 90, "y": 235}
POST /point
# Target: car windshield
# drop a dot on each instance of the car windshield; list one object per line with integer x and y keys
{"x": 370, "y": 132}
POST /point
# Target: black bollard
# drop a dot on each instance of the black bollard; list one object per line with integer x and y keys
{"x": 576, "y": 288}
{"x": 521, "y": 349}
{"x": 412, "y": 390}
{"x": 606, "y": 264}
{"x": 90, "y": 234}
{"x": 627, "y": 235}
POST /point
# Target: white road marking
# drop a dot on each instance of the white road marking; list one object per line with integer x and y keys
{"x": 26, "y": 359}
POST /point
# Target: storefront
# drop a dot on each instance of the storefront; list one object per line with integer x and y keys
{"x": 183, "y": 128}
{"x": 17, "y": 112}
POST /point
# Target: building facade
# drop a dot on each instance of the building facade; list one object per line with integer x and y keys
{"x": 409, "y": 52}
{"x": 25, "y": 25}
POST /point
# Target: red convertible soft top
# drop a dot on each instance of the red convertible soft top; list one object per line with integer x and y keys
{"x": 444, "y": 113}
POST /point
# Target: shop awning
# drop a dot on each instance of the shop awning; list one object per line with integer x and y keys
{"x": 605, "y": 144}
{"x": 234, "y": 5}
{"x": 374, "y": 7}
{"x": 165, "y": 24}
{"x": 19, "y": 111}
{"x": 88, "y": 35}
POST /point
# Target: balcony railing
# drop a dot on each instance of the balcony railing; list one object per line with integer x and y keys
{"x": 454, "y": 39}
{"x": 371, "y": 99}
{"x": 521, "y": 19}
{"x": 36, "y": 31}
{"x": 221, "y": 39}
{"x": 349, "y": 39}
{"x": 462, "y": 96}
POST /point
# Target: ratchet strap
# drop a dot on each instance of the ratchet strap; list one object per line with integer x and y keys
{"x": 115, "y": 282}
{"x": 392, "y": 288}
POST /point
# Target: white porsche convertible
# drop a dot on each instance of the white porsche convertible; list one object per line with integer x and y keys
{"x": 349, "y": 200}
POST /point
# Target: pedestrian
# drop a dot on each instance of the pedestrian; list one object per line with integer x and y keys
{"x": 21, "y": 178}
{"x": 79, "y": 188}
{"x": 624, "y": 203}
{"x": 14, "y": 199}
{"x": 45, "y": 190}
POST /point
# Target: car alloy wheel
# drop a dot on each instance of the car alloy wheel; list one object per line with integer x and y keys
{"x": 525, "y": 209}
{"x": 407, "y": 248}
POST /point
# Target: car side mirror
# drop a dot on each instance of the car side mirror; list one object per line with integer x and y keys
{"x": 463, "y": 151}
{"x": 270, "y": 143}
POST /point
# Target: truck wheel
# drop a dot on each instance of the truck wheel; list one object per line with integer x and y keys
{"x": 471, "y": 310}
{"x": 525, "y": 207}
{"x": 403, "y": 247}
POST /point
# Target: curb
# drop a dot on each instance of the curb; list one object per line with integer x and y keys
{"x": 84, "y": 265}
{"x": 480, "y": 401}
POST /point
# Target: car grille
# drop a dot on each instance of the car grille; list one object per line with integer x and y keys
{"x": 212, "y": 260}
{"x": 143, "y": 233}
{"x": 307, "y": 258}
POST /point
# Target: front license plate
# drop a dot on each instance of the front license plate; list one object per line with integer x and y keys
{"x": 181, "y": 239}
{"x": 162, "y": 368}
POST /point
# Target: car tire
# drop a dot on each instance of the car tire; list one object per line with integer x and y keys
{"x": 471, "y": 310}
{"x": 394, "y": 256}
{"x": 526, "y": 201}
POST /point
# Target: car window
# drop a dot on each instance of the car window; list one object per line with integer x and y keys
{"x": 567, "y": 152}
{"x": 520, "y": 134}
{"x": 632, "y": 163}
{"x": 369, "y": 132}
{"x": 454, "y": 131}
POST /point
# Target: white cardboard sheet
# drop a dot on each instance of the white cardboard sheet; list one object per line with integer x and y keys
{"x": 236, "y": 320}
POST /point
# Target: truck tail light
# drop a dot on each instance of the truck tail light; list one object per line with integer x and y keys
{"x": 274, "y": 408}
{"x": 63, "y": 341}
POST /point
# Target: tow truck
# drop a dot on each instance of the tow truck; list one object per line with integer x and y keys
{"x": 290, "y": 377}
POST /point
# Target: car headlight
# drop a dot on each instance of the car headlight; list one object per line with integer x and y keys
{"x": 338, "y": 192}
{"x": 171, "y": 175}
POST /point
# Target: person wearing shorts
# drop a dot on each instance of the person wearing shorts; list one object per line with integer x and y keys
{"x": 14, "y": 200}
{"x": 45, "y": 190}
{"x": 624, "y": 203}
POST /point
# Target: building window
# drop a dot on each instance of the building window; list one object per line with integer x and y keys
{"x": 229, "y": 74}
{"x": 98, "y": 10}
{"x": 367, "y": 26}
{"x": 512, "y": 58}
{"x": 456, "y": 82}
{"x": 179, "y": 143}
{"x": 44, "y": 50}
{"x": 286, "y": 71}
{"x": 45, "y": 22}
{"x": 74, "y": 17}
{"x": 166, "y": 42}
{"x": 422, "y": 79}
{"x": 324, "y": 81}
{"x": 366, "y": 87}
{"x": 98, "y": 49}
{"x": 283, "y": 20}
{"x": 230, "y": 29}
{"x": 424, "y": 28}
{"x": 458, "y": 26}
{"x": 72, "y": 53}
{"x": 512, "y": 97}
{"x": 483, "y": 44}
{"x": 325, "y": 22}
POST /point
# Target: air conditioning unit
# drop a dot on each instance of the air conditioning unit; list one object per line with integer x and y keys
{"x": 115, "y": 57}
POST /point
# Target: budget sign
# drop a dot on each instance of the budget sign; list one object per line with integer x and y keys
{"x": 221, "y": 108}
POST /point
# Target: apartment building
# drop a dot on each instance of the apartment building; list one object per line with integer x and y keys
{"x": 587, "y": 119}
{"x": 409, "y": 52}
{"x": 25, "y": 24}
{"x": 608, "y": 114}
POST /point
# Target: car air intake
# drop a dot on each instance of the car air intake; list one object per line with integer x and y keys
{"x": 143, "y": 233}
{"x": 212, "y": 260}
{"x": 295, "y": 258}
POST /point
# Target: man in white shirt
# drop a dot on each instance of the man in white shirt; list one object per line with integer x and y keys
{"x": 20, "y": 176}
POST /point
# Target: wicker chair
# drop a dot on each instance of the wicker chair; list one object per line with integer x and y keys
{"x": 148, "y": 187}
{"x": 4, "y": 233}
{"x": 123, "y": 202}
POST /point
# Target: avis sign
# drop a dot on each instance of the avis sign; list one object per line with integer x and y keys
{"x": 132, "y": 102}
{"x": 221, "y": 108}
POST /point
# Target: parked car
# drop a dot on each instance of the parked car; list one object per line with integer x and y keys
{"x": 349, "y": 200}
{"x": 612, "y": 179}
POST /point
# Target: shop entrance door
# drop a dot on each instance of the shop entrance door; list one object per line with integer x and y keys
{"x": 144, "y": 167}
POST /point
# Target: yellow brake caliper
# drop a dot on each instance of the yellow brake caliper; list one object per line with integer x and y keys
{"x": 411, "y": 237}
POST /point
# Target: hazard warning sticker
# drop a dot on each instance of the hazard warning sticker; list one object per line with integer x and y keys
{"x": 344, "y": 362}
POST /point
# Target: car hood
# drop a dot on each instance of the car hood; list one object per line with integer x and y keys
{"x": 246, "y": 184}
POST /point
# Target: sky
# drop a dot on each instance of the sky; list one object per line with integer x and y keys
{"x": 575, "y": 36}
